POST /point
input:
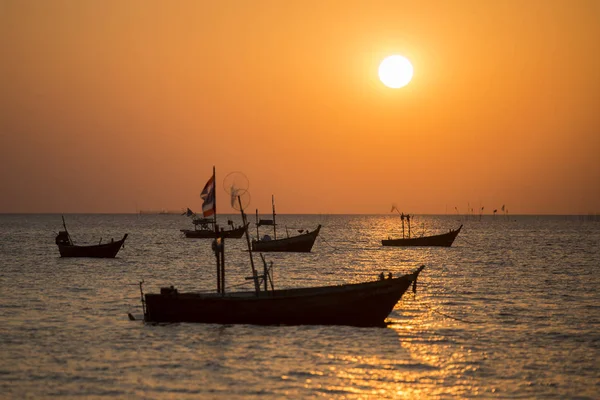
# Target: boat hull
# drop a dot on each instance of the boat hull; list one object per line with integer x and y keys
{"x": 443, "y": 240}
{"x": 105, "y": 250}
{"x": 363, "y": 304}
{"x": 236, "y": 233}
{"x": 300, "y": 244}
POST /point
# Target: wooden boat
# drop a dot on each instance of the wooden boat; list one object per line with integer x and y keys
{"x": 442, "y": 240}
{"x": 302, "y": 243}
{"x": 67, "y": 248}
{"x": 206, "y": 231}
{"x": 207, "y": 228}
{"x": 359, "y": 304}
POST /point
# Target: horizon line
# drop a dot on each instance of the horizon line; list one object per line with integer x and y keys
{"x": 178, "y": 213}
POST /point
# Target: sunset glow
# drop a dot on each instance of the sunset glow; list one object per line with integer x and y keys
{"x": 395, "y": 72}
{"x": 137, "y": 102}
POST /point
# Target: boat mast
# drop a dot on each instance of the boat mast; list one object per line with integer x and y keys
{"x": 245, "y": 224}
{"x": 65, "y": 226}
{"x": 274, "y": 223}
{"x": 402, "y": 218}
{"x": 222, "y": 239}
{"x": 218, "y": 244}
{"x": 257, "y": 223}
{"x": 215, "y": 200}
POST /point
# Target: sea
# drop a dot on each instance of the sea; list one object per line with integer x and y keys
{"x": 511, "y": 310}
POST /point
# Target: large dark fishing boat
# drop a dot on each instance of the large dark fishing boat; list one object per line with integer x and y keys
{"x": 358, "y": 304}
{"x": 301, "y": 243}
{"x": 207, "y": 228}
{"x": 67, "y": 248}
{"x": 441, "y": 240}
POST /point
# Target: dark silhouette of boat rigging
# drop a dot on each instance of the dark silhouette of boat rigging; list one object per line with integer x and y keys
{"x": 207, "y": 228}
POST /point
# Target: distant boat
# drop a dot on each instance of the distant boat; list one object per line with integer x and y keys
{"x": 204, "y": 229}
{"x": 441, "y": 240}
{"x": 302, "y": 243}
{"x": 67, "y": 248}
{"x": 358, "y": 304}
{"x": 207, "y": 228}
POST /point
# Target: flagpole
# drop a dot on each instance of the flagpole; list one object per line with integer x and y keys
{"x": 220, "y": 253}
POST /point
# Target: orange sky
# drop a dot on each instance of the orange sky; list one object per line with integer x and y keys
{"x": 109, "y": 106}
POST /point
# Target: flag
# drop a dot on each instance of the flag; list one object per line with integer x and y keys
{"x": 208, "y": 195}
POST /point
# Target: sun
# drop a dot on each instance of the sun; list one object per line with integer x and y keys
{"x": 395, "y": 71}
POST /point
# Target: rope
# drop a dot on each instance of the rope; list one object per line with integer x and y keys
{"x": 462, "y": 238}
{"x": 328, "y": 244}
{"x": 449, "y": 316}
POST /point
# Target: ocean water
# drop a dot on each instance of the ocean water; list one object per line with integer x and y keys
{"x": 511, "y": 310}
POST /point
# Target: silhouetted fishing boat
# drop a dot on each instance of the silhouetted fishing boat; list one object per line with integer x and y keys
{"x": 207, "y": 228}
{"x": 67, "y": 248}
{"x": 204, "y": 229}
{"x": 302, "y": 243}
{"x": 358, "y": 304}
{"x": 441, "y": 240}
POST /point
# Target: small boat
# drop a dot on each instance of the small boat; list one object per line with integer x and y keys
{"x": 441, "y": 240}
{"x": 67, "y": 248}
{"x": 302, "y": 243}
{"x": 360, "y": 304}
{"x": 207, "y": 228}
{"x": 204, "y": 229}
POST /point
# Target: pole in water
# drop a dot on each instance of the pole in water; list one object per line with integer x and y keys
{"x": 216, "y": 249}
{"x": 223, "y": 266}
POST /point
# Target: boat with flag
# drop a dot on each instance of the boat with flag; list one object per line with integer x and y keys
{"x": 302, "y": 243}
{"x": 365, "y": 304}
{"x": 205, "y": 226}
{"x": 67, "y": 248}
{"x": 440, "y": 240}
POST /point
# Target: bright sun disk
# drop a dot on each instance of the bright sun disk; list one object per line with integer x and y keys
{"x": 395, "y": 71}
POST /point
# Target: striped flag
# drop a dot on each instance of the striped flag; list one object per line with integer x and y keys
{"x": 208, "y": 195}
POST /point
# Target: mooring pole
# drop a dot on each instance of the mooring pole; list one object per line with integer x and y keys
{"x": 217, "y": 250}
{"x": 223, "y": 265}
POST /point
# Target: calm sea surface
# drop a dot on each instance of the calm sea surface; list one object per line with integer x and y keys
{"x": 512, "y": 310}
